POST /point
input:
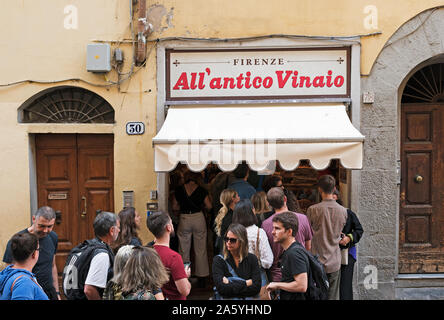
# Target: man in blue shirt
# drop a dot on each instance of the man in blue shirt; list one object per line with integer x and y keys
{"x": 242, "y": 187}
{"x": 17, "y": 282}
{"x": 45, "y": 269}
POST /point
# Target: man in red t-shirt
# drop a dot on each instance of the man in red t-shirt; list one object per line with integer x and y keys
{"x": 179, "y": 287}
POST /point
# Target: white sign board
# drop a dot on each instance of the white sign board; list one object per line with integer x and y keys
{"x": 134, "y": 128}
{"x": 258, "y": 74}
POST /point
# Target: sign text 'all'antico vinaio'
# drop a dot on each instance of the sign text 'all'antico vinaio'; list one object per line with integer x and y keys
{"x": 258, "y": 74}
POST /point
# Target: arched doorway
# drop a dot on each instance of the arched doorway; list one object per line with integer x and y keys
{"x": 421, "y": 210}
{"x": 73, "y": 172}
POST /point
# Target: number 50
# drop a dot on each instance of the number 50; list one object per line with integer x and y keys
{"x": 135, "y": 128}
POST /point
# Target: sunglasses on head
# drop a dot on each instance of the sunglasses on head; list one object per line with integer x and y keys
{"x": 231, "y": 240}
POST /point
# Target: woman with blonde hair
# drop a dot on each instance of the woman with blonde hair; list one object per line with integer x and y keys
{"x": 261, "y": 207}
{"x": 236, "y": 273}
{"x": 228, "y": 199}
{"x": 113, "y": 290}
{"x": 143, "y": 275}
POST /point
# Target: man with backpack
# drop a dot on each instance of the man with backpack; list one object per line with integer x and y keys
{"x": 89, "y": 266}
{"x": 328, "y": 219}
{"x": 303, "y": 276}
{"x": 294, "y": 263}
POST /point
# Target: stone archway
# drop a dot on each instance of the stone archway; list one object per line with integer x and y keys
{"x": 414, "y": 45}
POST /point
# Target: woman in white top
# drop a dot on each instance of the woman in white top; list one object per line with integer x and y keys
{"x": 257, "y": 238}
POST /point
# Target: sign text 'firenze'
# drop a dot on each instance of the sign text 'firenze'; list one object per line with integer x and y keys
{"x": 258, "y": 74}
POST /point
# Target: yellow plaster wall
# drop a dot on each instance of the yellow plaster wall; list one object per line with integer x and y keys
{"x": 36, "y": 46}
{"x": 251, "y": 18}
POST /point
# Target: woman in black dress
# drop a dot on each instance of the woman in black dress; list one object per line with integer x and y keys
{"x": 190, "y": 199}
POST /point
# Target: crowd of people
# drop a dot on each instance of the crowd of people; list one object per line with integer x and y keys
{"x": 260, "y": 246}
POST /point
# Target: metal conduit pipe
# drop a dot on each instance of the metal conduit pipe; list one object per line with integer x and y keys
{"x": 141, "y": 28}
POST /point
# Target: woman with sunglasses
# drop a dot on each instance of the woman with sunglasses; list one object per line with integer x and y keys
{"x": 236, "y": 273}
{"x": 258, "y": 244}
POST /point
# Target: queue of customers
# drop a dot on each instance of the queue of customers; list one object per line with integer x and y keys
{"x": 260, "y": 239}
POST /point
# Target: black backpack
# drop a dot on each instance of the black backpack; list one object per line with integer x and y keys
{"x": 317, "y": 279}
{"x": 77, "y": 267}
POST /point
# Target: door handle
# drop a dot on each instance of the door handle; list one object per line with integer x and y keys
{"x": 418, "y": 178}
{"x": 83, "y": 214}
{"x": 58, "y": 217}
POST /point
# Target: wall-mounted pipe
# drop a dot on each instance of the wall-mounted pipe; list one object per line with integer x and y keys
{"x": 141, "y": 28}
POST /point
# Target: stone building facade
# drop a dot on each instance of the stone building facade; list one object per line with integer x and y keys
{"x": 415, "y": 45}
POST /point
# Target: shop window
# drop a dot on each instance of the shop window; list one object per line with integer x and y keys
{"x": 302, "y": 182}
{"x": 66, "y": 105}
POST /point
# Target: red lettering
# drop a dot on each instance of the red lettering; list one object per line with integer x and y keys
{"x": 329, "y": 84}
{"x": 229, "y": 81}
{"x": 247, "y": 80}
{"x": 257, "y": 81}
{"x": 182, "y": 82}
{"x": 295, "y": 80}
{"x": 282, "y": 82}
{"x": 201, "y": 80}
{"x": 318, "y": 82}
{"x": 239, "y": 81}
{"x": 215, "y": 83}
{"x": 307, "y": 82}
{"x": 339, "y": 81}
{"x": 268, "y": 82}
{"x": 193, "y": 80}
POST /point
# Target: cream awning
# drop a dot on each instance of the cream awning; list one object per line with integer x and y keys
{"x": 198, "y": 135}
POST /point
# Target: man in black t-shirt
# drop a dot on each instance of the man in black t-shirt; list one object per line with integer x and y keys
{"x": 295, "y": 266}
{"x": 45, "y": 269}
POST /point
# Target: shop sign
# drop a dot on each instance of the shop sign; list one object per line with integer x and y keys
{"x": 300, "y": 73}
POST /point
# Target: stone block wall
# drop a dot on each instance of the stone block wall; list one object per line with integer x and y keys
{"x": 417, "y": 41}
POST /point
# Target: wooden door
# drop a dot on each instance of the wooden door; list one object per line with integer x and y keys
{"x": 75, "y": 176}
{"x": 421, "y": 233}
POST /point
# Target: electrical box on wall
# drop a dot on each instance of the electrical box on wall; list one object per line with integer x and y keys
{"x": 98, "y": 57}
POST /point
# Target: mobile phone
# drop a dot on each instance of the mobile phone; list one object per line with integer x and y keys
{"x": 274, "y": 295}
{"x": 186, "y": 264}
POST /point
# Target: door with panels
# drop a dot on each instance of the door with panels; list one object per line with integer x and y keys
{"x": 421, "y": 221}
{"x": 75, "y": 176}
